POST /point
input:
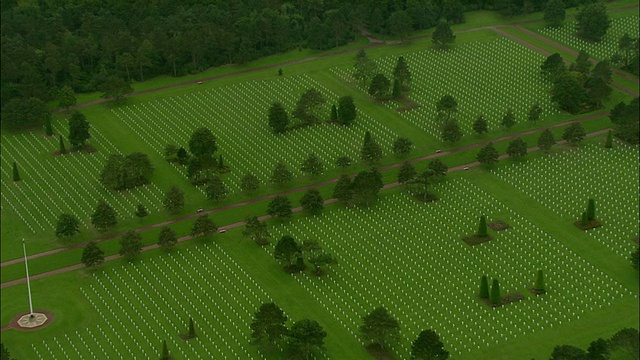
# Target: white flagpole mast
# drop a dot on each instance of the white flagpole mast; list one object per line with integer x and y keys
{"x": 24, "y": 248}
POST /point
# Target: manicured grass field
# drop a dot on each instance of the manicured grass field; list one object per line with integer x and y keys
{"x": 237, "y": 114}
{"x": 402, "y": 254}
{"x": 564, "y": 183}
{"x": 601, "y": 50}
{"x": 52, "y": 184}
{"x": 484, "y": 77}
{"x": 409, "y": 257}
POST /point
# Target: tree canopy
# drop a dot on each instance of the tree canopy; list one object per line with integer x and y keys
{"x": 380, "y": 328}
{"x": 443, "y": 35}
{"x": 593, "y": 21}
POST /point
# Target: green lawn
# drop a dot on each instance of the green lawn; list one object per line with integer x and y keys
{"x": 400, "y": 253}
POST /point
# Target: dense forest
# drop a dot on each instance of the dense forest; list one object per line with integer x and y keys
{"x": 79, "y": 44}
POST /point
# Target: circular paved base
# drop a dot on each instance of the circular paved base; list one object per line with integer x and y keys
{"x": 29, "y": 322}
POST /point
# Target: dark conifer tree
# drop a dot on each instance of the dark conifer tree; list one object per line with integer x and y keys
{"x": 16, "y": 174}
{"x": 482, "y": 228}
{"x": 496, "y": 298}
{"x": 484, "y": 287}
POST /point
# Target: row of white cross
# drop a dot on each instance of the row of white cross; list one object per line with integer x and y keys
{"x": 564, "y": 183}
{"x": 401, "y": 257}
{"x": 237, "y": 115}
{"x": 602, "y": 49}
{"x": 489, "y": 91}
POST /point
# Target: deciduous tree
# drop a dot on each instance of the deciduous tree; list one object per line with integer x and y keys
{"x": 509, "y": 119}
{"x": 278, "y": 117}
{"x": 67, "y": 226}
{"x": 343, "y": 190}
{"x": 443, "y": 35}
{"x": 447, "y": 105}
{"x": 281, "y": 175}
{"x": 130, "y": 244}
{"x": 406, "y": 172}
{"x": 343, "y": 162}
{"x": 78, "y": 129}
{"x": 203, "y": 226}
{"x": 593, "y": 21}
{"x": 312, "y": 201}
{"x": 249, "y": 183}
{"x": 141, "y": 211}
{"x": 306, "y": 107}
{"x": 428, "y": 346}
{"x": 402, "y": 146}
{"x": 438, "y": 169}
{"x": 92, "y": 255}
{"x": 215, "y": 189}
{"x": 488, "y": 155}
{"x": 312, "y": 165}
{"x": 104, "y": 216}
{"x": 380, "y": 328}
{"x": 268, "y": 326}
{"x": 304, "y": 338}
{"x": 346, "y": 110}
{"x": 554, "y": 13}
{"x": 365, "y": 68}
{"x": 480, "y": 126}
{"x": 553, "y": 66}
{"x": 173, "y": 200}
{"x": 285, "y": 249}
{"x": 568, "y": 352}
{"x": 546, "y": 141}
{"x": 202, "y": 143}
{"x": 451, "y": 131}
{"x": 66, "y": 97}
{"x": 116, "y": 88}
{"x": 517, "y": 148}
{"x": 167, "y": 237}
{"x": 574, "y": 134}
{"x": 379, "y": 87}
{"x": 535, "y": 112}
{"x": 366, "y": 186}
{"x": 280, "y": 207}
{"x": 256, "y": 231}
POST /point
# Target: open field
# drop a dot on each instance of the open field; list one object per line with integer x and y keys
{"x": 401, "y": 253}
{"x": 377, "y": 248}
{"x": 237, "y": 114}
{"x": 564, "y": 183}
{"x": 53, "y": 184}
{"x": 602, "y": 50}
{"x": 484, "y": 77}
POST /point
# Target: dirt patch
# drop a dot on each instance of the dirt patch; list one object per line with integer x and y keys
{"x": 499, "y": 225}
{"x": 407, "y": 104}
{"x": 506, "y": 299}
{"x": 473, "y": 240}
{"x": 590, "y": 225}
{"x": 537, "y": 292}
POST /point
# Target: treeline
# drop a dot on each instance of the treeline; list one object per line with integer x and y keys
{"x": 82, "y": 44}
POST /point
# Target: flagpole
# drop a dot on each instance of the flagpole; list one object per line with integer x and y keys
{"x": 24, "y": 248}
